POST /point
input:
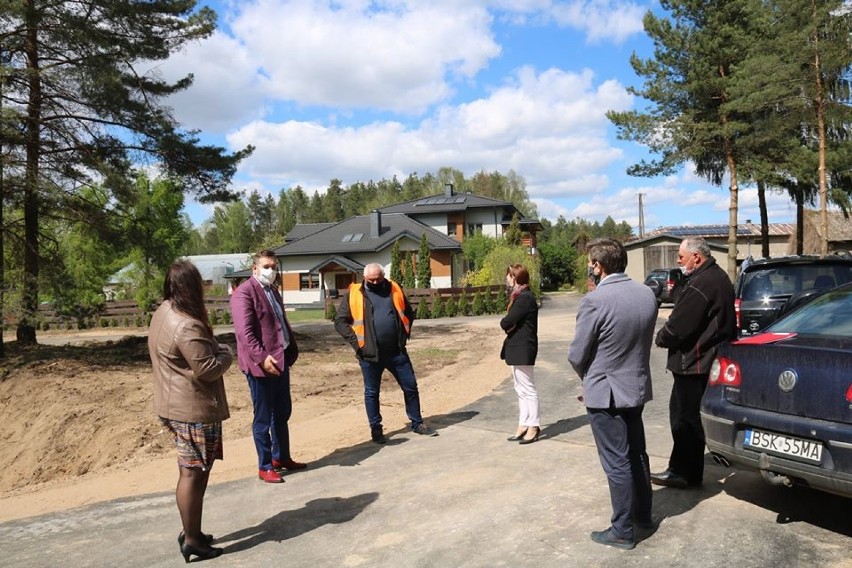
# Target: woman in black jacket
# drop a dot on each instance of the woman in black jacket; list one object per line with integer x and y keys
{"x": 520, "y": 349}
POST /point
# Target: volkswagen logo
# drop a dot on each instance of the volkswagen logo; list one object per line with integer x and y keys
{"x": 787, "y": 380}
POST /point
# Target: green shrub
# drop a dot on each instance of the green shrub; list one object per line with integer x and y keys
{"x": 113, "y": 322}
{"x": 331, "y": 311}
{"x": 423, "y": 309}
{"x": 451, "y": 308}
{"x": 226, "y": 317}
{"x": 437, "y": 308}
{"x": 45, "y": 326}
{"x": 138, "y": 321}
{"x": 478, "y": 306}
{"x": 104, "y": 322}
{"x": 501, "y": 301}
{"x": 214, "y": 317}
{"x": 463, "y": 306}
{"x": 488, "y": 302}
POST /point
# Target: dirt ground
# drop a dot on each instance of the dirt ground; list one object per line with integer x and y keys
{"x": 78, "y": 426}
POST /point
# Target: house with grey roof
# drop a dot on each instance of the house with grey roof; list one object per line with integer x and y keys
{"x": 323, "y": 259}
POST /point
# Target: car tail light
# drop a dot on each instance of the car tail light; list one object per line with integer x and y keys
{"x": 849, "y": 394}
{"x": 737, "y": 312}
{"x": 669, "y": 285}
{"x": 725, "y": 372}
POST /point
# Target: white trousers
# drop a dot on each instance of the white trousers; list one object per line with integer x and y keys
{"x": 527, "y": 395}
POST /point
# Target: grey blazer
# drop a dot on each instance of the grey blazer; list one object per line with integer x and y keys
{"x": 611, "y": 350}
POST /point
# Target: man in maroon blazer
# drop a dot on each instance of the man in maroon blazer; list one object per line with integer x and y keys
{"x": 266, "y": 349}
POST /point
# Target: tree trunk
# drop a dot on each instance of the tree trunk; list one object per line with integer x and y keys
{"x": 26, "y": 332}
{"x": 819, "y": 104}
{"x": 732, "y": 216}
{"x": 764, "y": 219}
{"x": 800, "y": 219}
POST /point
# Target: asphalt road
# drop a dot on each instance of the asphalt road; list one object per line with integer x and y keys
{"x": 467, "y": 498}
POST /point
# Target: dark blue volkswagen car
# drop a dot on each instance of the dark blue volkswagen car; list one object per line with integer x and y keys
{"x": 780, "y": 402}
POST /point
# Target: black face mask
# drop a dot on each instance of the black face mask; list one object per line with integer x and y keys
{"x": 596, "y": 278}
{"x": 378, "y": 287}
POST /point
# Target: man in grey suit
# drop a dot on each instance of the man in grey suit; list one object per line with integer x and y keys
{"x": 611, "y": 353}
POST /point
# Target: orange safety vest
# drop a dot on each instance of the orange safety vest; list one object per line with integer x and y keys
{"x": 356, "y": 309}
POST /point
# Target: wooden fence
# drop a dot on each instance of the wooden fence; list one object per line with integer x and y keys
{"x": 418, "y": 295}
{"x": 122, "y": 313}
{"x": 126, "y": 313}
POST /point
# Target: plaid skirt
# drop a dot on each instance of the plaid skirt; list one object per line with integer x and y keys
{"x": 198, "y": 444}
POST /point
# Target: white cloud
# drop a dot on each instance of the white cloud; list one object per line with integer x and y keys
{"x": 549, "y": 127}
{"x": 601, "y": 20}
{"x": 226, "y": 90}
{"x": 548, "y": 209}
{"x": 391, "y": 55}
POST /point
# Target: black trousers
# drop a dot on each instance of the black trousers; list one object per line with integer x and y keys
{"x": 620, "y": 439}
{"x": 687, "y": 458}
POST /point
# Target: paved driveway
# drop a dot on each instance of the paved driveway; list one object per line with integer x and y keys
{"x": 467, "y": 498}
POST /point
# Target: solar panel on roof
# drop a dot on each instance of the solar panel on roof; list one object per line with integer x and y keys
{"x": 357, "y": 237}
{"x": 346, "y": 238}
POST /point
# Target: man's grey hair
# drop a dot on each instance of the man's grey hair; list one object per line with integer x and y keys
{"x": 697, "y": 244}
{"x": 373, "y": 266}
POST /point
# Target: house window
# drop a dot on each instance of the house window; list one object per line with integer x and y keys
{"x": 309, "y": 281}
{"x": 452, "y": 229}
{"x": 473, "y": 228}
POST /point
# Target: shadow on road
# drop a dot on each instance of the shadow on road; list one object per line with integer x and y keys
{"x": 354, "y": 455}
{"x": 290, "y": 524}
{"x": 792, "y": 504}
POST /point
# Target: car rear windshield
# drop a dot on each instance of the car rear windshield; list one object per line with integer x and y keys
{"x": 788, "y": 280}
{"x": 829, "y": 315}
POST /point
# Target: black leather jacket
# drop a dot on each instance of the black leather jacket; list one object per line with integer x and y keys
{"x": 702, "y": 318}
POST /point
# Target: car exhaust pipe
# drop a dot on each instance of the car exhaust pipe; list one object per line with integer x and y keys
{"x": 721, "y": 460}
{"x": 771, "y": 477}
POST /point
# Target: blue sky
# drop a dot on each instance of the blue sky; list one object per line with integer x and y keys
{"x": 359, "y": 90}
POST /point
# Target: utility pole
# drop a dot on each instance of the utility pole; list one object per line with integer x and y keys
{"x": 641, "y": 217}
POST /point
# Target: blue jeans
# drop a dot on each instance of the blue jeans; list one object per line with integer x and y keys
{"x": 270, "y": 397}
{"x": 400, "y": 367}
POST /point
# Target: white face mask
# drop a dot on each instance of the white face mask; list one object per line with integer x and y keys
{"x": 266, "y": 276}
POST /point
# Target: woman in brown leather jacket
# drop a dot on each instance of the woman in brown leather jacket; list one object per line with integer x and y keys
{"x": 189, "y": 395}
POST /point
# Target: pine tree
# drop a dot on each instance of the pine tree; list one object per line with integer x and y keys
{"x": 86, "y": 109}
{"x": 513, "y": 234}
{"x": 697, "y": 49}
{"x": 424, "y": 267}
{"x": 396, "y": 264}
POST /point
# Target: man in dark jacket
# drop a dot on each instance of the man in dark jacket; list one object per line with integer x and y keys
{"x": 703, "y": 317}
{"x": 375, "y": 318}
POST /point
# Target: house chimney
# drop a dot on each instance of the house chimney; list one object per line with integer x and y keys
{"x": 376, "y": 223}
{"x": 448, "y": 189}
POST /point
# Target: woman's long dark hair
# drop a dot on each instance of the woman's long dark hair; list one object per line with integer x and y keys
{"x": 184, "y": 287}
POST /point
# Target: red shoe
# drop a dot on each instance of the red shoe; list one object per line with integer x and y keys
{"x": 270, "y": 476}
{"x": 288, "y": 465}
